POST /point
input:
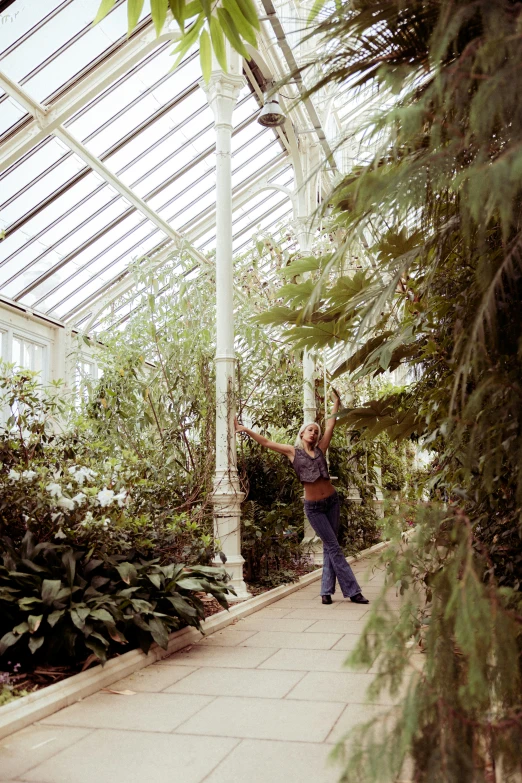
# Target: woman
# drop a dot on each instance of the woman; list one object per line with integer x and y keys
{"x": 321, "y": 501}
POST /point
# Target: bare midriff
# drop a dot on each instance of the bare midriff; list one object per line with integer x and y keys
{"x": 318, "y": 490}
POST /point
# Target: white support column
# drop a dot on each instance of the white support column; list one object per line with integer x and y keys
{"x": 222, "y": 92}
{"x": 379, "y": 497}
{"x": 306, "y": 206}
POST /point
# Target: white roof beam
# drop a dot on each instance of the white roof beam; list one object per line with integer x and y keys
{"x": 49, "y": 117}
{"x": 124, "y": 285}
{"x": 38, "y": 111}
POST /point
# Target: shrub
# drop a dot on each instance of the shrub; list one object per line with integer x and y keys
{"x": 58, "y": 603}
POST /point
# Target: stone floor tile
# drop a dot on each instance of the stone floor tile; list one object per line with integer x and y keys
{"x": 152, "y": 679}
{"x": 318, "y": 612}
{"x": 347, "y": 642}
{"x": 274, "y": 610}
{"x": 114, "y": 756}
{"x": 306, "y": 660}
{"x": 345, "y": 687}
{"x": 233, "y": 716}
{"x": 260, "y": 761}
{"x": 295, "y": 641}
{"x": 340, "y": 625}
{"x": 255, "y": 623}
{"x": 238, "y": 682}
{"x": 26, "y": 748}
{"x": 229, "y": 657}
{"x": 300, "y": 596}
{"x": 228, "y": 637}
{"x": 302, "y": 603}
{"x": 356, "y": 715}
{"x": 142, "y": 712}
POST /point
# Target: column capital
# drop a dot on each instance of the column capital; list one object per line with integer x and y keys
{"x": 222, "y": 90}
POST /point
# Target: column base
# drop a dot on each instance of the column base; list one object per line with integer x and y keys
{"x": 234, "y": 568}
{"x": 354, "y": 496}
{"x": 313, "y": 546}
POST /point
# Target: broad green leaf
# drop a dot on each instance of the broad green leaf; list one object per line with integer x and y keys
{"x": 178, "y": 12}
{"x": 7, "y": 641}
{"x": 69, "y": 562}
{"x": 116, "y": 635}
{"x": 205, "y": 55}
{"x": 159, "y": 10}
{"x": 207, "y": 8}
{"x": 98, "y": 649}
{"x": 34, "y": 621}
{"x": 316, "y": 8}
{"x": 103, "y": 10}
{"x": 189, "y": 583}
{"x": 102, "y": 614}
{"x": 300, "y": 266}
{"x": 134, "y": 9}
{"x": 231, "y": 32}
{"x": 127, "y": 572}
{"x": 53, "y": 618}
{"x": 182, "y": 606}
{"x": 35, "y": 642}
{"x": 50, "y": 590}
{"x": 218, "y": 42}
{"x": 156, "y": 580}
{"x": 159, "y": 632}
{"x": 188, "y": 40}
{"x": 78, "y": 616}
{"x": 243, "y": 27}
{"x": 249, "y": 11}
{"x": 194, "y": 8}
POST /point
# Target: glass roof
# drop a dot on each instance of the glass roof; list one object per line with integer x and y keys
{"x": 70, "y": 231}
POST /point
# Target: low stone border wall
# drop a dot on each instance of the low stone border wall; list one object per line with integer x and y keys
{"x": 38, "y": 705}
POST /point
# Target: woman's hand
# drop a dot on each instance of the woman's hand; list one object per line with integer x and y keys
{"x": 238, "y": 427}
{"x": 335, "y": 398}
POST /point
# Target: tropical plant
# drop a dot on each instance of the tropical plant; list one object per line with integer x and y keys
{"x": 201, "y": 23}
{"x": 434, "y": 208}
{"x": 59, "y": 604}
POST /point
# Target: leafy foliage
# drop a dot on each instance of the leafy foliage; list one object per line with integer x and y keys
{"x": 59, "y": 604}
{"x": 435, "y": 212}
{"x": 200, "y": 22}
{"x": 460, "y": 717}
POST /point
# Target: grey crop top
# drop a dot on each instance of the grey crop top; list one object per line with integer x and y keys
{"x": 309, "y": 469}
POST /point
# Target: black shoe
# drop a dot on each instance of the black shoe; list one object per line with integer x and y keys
{"x": 359, "y": 598}
{"x": 326, "y": 599}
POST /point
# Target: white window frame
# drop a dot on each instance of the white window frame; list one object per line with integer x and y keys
{"x": 8, "y": 332}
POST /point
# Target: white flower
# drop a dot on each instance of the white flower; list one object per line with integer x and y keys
{"x": 80, "y": 473}
{"x": 105, "y": 497}
{"x": 67, "y": 503}
{"x": 88, "y": 520}
{"x": 54, "y": 490}
{"x": 106, "y": 522}
{"x": 80, "y": 498}
{"x": 29, "y": 474}
{"x": 60, "y": 534}
{"x": 120, "y": 498}
{"x": 13, "y": 475}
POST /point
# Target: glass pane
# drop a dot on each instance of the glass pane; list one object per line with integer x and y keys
{"x": 25, "y": 172}
{"x": 10, "y": 112}
{"x": 27, "y": 355}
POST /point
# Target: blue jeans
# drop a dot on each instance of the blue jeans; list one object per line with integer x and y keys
{"x": 323, "y": 516}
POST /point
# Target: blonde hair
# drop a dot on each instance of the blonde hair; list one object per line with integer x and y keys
{"x": 298, "y": 442}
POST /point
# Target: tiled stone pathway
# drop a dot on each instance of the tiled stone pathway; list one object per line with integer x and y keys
{"x": 262, "y": 701}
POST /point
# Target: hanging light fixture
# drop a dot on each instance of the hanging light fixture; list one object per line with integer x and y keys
{"x": 271, "y": 115}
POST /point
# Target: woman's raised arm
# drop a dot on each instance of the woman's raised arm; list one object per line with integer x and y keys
{"x": 330, "y": 424}
{"x": 281, "y": 448}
